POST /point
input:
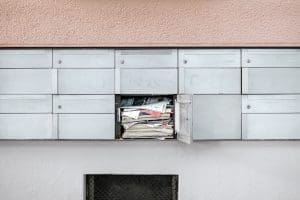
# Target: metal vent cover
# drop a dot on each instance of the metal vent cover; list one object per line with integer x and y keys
{"x": 131, "y": 187}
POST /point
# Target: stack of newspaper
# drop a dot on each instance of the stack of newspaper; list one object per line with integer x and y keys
{"x": 151, "y": 118}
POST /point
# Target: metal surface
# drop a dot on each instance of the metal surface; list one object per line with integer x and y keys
{"x": 146, "y": 58}
{"x": 184, "y": 118}
{"x": 271, "y": 80}
{"x": 83, "y": 103}
{"x": 209, "y": 58}
{"x": 25, "y": 104}
{"x": 271, "y": 104}
{"x": 85, "y": 81}
{"x": 216, "y": 117}
{"x": 271, "y": 58}
{"x": 83, "y": 58}
{"x": 27, "y": 81}
{"x": 147, "y": 81}
{"x": 28, "y": 126}
{"x": 209, "y": 81}
{"x": 26, "y": 58}
{"x": 86, "y": 126}
{"x": 271, "y": 126}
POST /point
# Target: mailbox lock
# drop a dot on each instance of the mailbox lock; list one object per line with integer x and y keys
{"x": 59, "y": 61}
{"x": 248, "y": 106}
{"x": 248, "y": 61}
{"x": 185, "y": 61}
{"x": 122, "y": 62}
{"x": 59, "y": 106}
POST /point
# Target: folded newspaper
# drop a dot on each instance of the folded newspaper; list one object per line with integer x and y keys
{"x": 149, "y": 117}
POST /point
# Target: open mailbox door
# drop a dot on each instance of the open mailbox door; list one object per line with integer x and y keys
{"x": 183, "y": 118}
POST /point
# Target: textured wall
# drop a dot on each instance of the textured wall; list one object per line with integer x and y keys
{"x": 207, "y": 170}
{"x": 149, "y": 23}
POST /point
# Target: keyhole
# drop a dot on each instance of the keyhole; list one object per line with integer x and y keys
{"x": 60, "y": 61}
{"x": 185, "y": 61}
{"x": 248, "y": 106}
{"x": 248, "y": 61}
{"x": 122, "y": 62}
{"x": 59, "y": 106}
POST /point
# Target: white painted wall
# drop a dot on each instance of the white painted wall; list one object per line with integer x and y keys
{"x": 227, "y": 170}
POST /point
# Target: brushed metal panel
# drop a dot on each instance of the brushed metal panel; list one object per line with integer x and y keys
{"x": 216, "y": 117}
{"x": 148, "y": 81}
{"x": 271, "y": 104}
{"x": 27, "y": 81}
{"x": 28, "y": 126}
{"x": 26, "y": 58}
{"x": 84, "y": 104}
{"x": 87, "y": 126}
{"x": 85, "y": 81}
{"x": 83, "y": 58}
{"x": 210, "y": 58}
{"x": 271, "y": 80}
{"x": 271, "y": 57}
{"x": 25, "y": 104}
{"x": 271, "y": 126}
{"x": 209, "y": 81}
{"x": 146, "y": 58}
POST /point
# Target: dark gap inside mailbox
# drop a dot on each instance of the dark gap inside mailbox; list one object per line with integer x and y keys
{"x": 145, "y": 117}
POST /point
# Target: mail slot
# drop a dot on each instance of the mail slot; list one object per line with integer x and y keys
{"x": 83, "y": 58}
{"x": 29, "y": 58}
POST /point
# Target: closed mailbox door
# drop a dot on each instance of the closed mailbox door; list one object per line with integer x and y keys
{"x": 271, "y": 80}
{"x": 209, "y": 71}
{"x": 85, "y": 81}
{"x": 87, "y": 126}
{"x": 83, "y": 104}
{"x": 28, "y": 126}
{"x": 29, "y": 58}
{"x": 146, "y": 81}
{"x": 83, "y": 58}
{"x": 27, "y": 81}
{"x": 25, "y": 104}
{"x": 146, "y": 58}
{"x": 271, "y": 117}
{"x": 216, "y": 117}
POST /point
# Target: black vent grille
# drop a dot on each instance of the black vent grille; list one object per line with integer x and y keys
{"x": 131, "y": 187}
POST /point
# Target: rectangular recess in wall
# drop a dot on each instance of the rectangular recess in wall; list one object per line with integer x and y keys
{"x": 131, "y": 187}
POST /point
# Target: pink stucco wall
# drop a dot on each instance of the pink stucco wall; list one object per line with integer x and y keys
{"x": 149, "y": 23}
